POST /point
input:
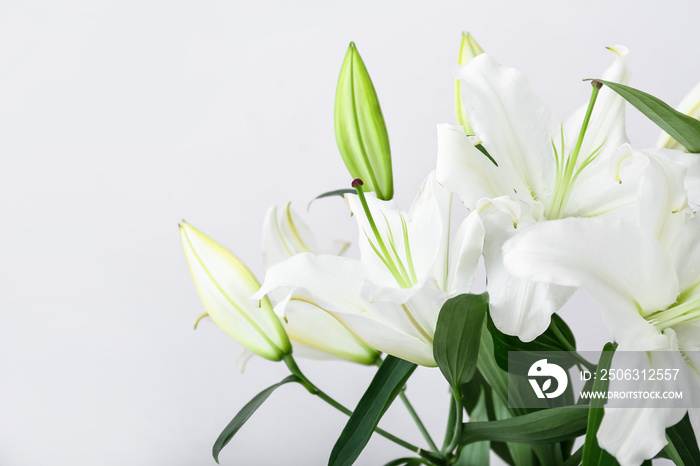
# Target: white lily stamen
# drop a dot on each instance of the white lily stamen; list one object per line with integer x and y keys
{"x": 682, "y": 312}
{"x": 567, "y": 170}
{"x": 393, "y": 262}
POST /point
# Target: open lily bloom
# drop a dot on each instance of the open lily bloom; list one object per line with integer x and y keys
{"x": 545, "y": 170}
{"x": 649, "y": 292}
{"x": 225, "y": 285}
{"x": 409, "y": 267}
{"x": 314, "y": 333}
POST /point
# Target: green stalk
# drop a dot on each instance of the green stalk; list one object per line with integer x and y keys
{"x": 563, "y": 184}
{"x": 414, "y": 415}
{"x": 458, "y": 421}
{"x": 401, "y": 279}
{"x": 451, "y": 420}
{"x": 418, "y": 422}
{"x": 314, "y": 390}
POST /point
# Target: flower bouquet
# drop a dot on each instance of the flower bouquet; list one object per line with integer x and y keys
{"x": 549, "y": 207}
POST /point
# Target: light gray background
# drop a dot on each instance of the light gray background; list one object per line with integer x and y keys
{"x": 117, "y": 119}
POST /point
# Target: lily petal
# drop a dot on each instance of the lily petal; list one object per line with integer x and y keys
{"x": 285, "y": 234}
{"x": 691, "y": 182}
{"x": 625, "y": 270}
{"x": 633, "y": 435}
{"x": 317, "y": 335}
{"x": 662, "y": 199}
{"x": 513, "y": 123}
{"x": 609, "y": 186}
{"x": 685, "y": 254}
{"x": 464, "y": 255}
{"x": 464, "y": 170}
{"x": 428, "y": 225}
{"x": 519, "y": 306}
{"x": 333, "y": 284}
{"x": 607, "y": 124}
{"x": 225, "y": 285}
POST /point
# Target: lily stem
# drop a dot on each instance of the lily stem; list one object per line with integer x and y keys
{"x": 418, "y": 422}
{"x": 414, "y": 415}
{"x": 459, "y": 415}
{"x": 314, "y": 390}
{"x": 450, "y": 430}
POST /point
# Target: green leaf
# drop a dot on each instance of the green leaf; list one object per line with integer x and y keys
{"x": 683, "y": 128}
{"x": 546, "y": 426}
{"x": 384, "y": 388}
{"x": 670, "y": 452}
{"x": 557, "y": 337}
{"x": 472, "y": 394}
{"x": 458, "y": 335}
{"x": 337, "y": 192}
{"x": 495, "y": 377}
{"x": 359, "y": 127}
{"x": 575, "y": 459}
{"x": 244, "y": 414}
{"x": 592, "y": 454}
{"x": 408, "y": 461}
{"x": 683, "y": 439}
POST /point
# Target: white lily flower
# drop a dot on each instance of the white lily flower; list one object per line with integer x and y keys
{"x": 545, "y": 171}
{"x": 314, "y": 333}
{"x": 225, "y": 285}
{"x": 409, "y": 267}
{"x": 649, "y": 292}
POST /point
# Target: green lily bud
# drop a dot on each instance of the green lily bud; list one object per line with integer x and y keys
{"x": 225, "y": 285}
{"x": 690, "y": 105}
{"x": 467, "y": 50}
{"x": 359, "y": 127}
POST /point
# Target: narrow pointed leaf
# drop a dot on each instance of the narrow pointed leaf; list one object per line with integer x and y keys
{"x": 244, "y": 414}
{"x": 683, "y": 439}
{"x": 575, "y": 459}
{"x": 683, "y": 128}
{"x": 541, "y": 427}
{"x": 360, "y": 130}
{"x": 592, "y": 454}
{"x": 406, "y": 462}
{"x": 458, "y": 335}
{"x": 385, "y": 386}
{"x": 670, "y": 452}
{"x": 336, "y": 192}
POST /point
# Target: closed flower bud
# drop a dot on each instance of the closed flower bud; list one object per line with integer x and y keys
{"x": 225, "y": 285}
{"x": 467, "y": 50}
{"x": 359, "y": 127}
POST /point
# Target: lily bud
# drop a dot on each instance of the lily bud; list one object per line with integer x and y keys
{"x": 359, "y": 127}
{"x": 467, "y": 50}
{"x": 690, "y": 105}
{"x": 225, "y": 285}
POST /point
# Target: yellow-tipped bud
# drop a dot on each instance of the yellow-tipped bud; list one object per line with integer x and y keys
{"x": 225, "y": 285}
{"x": 467, "y": 50}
